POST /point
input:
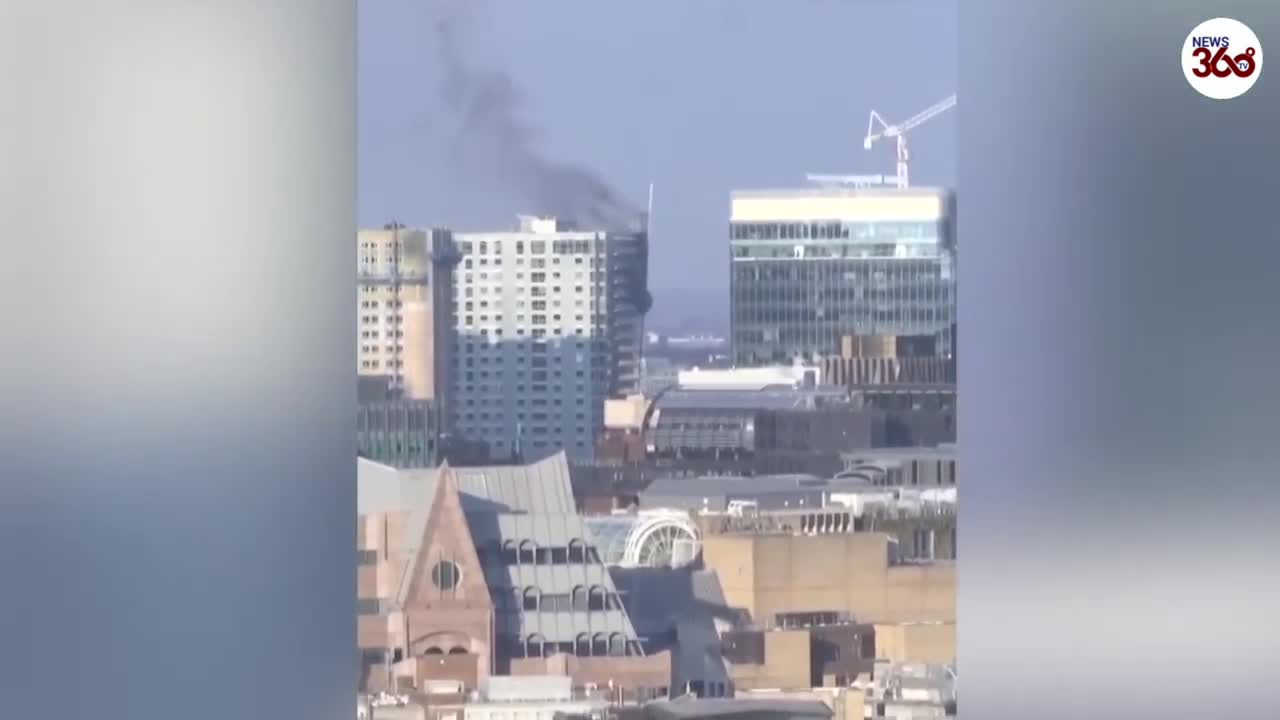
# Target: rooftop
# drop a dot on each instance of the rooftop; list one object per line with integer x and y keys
{"x": 946, "y": 451}
{"x": 757, "y": 484}
{"x": 687, "y": 707}
{"x": 820, "y": 191}
{"x": 505, "y": 506}
{"x": 840, "y": 204}
{"x": 773, "y": 398}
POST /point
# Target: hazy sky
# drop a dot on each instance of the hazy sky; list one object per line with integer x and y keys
{"x": 698, "y": 96}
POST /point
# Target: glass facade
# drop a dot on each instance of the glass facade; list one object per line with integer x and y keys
{"x": 798, "y": 288}
{"x": 399, "y": 433}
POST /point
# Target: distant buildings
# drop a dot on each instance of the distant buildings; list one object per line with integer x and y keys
{"x": 548, "y": 323}
{"x": 757, "y": 421}
{"x": 811, "y": 266}
{"x": 505, "y": 342}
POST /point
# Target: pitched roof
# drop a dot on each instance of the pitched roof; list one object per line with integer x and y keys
{"x": 515, "y": 503}
{"x": 541, "y": 488}
{"x": 446, "y": 521}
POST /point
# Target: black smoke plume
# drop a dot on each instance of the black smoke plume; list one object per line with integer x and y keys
{"x": 493, "y": 139}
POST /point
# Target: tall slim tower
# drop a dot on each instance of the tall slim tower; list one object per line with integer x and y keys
{"x": 404, "y": 306}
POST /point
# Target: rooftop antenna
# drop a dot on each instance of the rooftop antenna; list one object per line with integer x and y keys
{"x": 648, "y": 213}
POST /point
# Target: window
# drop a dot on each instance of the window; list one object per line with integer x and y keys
{"x": 527, "y": 552}
{"x": 446, "y": 575}
{"x": 577, "y": 551}
{"x": 923, "y": 544}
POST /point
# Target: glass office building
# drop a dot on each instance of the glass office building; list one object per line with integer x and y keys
{"x": 809, "y": 267}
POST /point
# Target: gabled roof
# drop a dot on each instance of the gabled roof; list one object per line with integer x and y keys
{"x": 537, "y": 489}
{"x": 502, "y": 504}
{"x": 446, "y": 521}
{"x": 542, "y": 487}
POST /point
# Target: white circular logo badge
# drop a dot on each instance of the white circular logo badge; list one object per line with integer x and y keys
{"x": 1222, "y": 58}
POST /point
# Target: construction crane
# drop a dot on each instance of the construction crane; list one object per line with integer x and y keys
{"x": 899, "y": 132}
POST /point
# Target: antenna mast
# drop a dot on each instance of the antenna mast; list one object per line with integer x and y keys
{"x": 648, "y": 213}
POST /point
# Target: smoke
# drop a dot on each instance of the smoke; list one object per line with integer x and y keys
{"x": 493, "y": 141}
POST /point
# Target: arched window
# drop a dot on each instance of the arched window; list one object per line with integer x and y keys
{"x": 534, "y": 646}
{"x": 531, "y": 598}
{"x": 595, "y": 598}
{"x": 433, "y": 650}
{"x": 577, "y": 551}
{"x": 509, "y": 555}
{"x": 582, "y": 645}
{"x": 457, "y": 650}
{"x": 599, "y": 645}
{"x": 617, "y": 645}
{"x": 579, "y": 598}
{"x": 528, "y": 552}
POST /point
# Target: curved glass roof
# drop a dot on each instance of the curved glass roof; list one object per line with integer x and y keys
{"x": 609, "y": 534}
{"x": 646, "y": 540}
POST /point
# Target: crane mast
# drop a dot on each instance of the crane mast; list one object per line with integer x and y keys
{"x": 898, "y": 132}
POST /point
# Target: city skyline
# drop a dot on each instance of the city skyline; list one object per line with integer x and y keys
{"x": 615, "y": 116}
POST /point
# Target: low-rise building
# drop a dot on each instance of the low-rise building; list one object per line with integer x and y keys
{"x": 467, "y": 573}
{"x": 857, "y": 574}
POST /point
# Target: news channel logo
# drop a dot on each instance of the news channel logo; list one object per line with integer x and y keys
{"x": 1222, "y": 58}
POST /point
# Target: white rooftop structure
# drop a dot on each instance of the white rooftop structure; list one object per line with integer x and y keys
{"x": 752, "y": 378}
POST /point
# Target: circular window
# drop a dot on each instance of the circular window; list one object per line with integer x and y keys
{"x": 446, "y": 575}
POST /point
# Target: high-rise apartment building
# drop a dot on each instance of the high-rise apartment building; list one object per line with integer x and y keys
{"x": 812, "y": 266}
{"x": 549, "y": 323}
{"x": 405, "y": 279}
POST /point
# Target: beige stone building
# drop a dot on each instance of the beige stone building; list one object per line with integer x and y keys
{"x": 917, "y": 642}
{"x": 404, "y": 309}
{"x": 845, "y": 578}
{"x": 854, "y": 573}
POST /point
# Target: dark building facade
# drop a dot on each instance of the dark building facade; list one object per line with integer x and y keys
{"x": 401, "y": 433}
{"x": 916, "y": 415}
{"x": 393, "y": 429}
